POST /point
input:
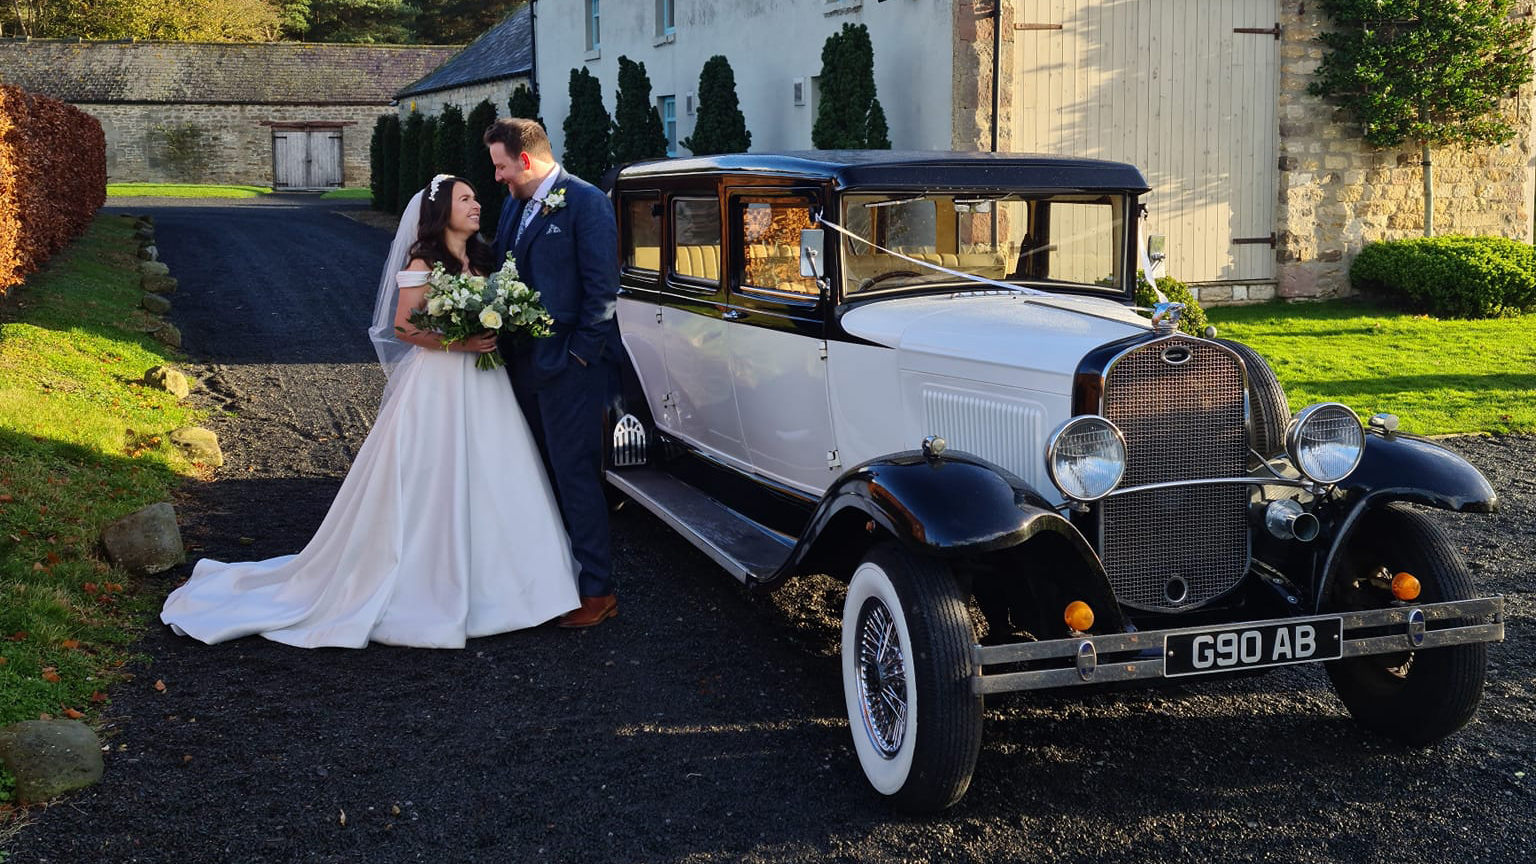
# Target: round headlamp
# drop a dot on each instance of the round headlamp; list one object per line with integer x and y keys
{"x": 1086, "y": 458}
{"x": 1325, "y": 442}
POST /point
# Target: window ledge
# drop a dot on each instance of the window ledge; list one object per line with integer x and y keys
{"x": 593, "y": 54}
{"x": 665, "y": 39}
{"x": 842, "y": 7}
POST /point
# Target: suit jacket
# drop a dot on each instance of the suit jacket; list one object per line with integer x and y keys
{"x": 570, "y": 255}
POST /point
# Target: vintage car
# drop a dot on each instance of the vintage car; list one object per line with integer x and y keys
{"x": 923, "y": 373}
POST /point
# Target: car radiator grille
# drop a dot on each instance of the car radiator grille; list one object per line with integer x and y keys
{"x": 1177, "y": 548}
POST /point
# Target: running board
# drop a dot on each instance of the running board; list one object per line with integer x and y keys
{"x": 749, "y": 551}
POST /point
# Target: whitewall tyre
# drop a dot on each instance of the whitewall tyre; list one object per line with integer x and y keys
{"x": 907, "y": 672}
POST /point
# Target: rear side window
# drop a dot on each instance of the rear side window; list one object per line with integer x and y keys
{"x": 770, "y": 229}
{"x": 696, "y": 236}
{"x": 642, "y": 237}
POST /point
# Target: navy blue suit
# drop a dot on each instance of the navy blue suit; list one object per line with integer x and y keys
{"x": 570, "y": 255}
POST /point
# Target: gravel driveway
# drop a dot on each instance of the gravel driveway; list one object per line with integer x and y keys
{"x": 701, "y": 725}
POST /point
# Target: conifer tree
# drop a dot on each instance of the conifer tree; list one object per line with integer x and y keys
{"x": 410, "y": 159}
{"x": 637, "y": 132}
{"x": 478, "y": 169}
{"x": 721, "y": 127}
{"x": 1428, "y": 71}
{"x": 587, "y": 153}
{"x": 525, "y": 103}
{"x": 849, "y": 116}
{"x": 384, "y": 163}
{"x": 427, "y": 166}
{"x": 450, "y": 142}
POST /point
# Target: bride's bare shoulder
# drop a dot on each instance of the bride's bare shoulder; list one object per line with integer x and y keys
{"x": 418, "y": 264}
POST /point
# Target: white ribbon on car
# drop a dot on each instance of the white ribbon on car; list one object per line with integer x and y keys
{"x": 968, "y": 277}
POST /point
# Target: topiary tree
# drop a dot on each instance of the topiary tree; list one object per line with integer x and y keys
{"x": 427, "y": 164}
{"x": 1430, "y": 71}
{"x": 849, "y": 116}
{"x": 478, "y": 169}
{"x": 384, "y": 163}
{"x": 410, "y": 159}
{"x": 524, "y": 103}
{"x": 587, "y": 153}
{"x": 721, "y": 127}
{"x": 450, "y": 142}
{"x": 637, "y": 132}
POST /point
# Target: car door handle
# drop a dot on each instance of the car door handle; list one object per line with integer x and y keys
{"x": 734, "y": 314}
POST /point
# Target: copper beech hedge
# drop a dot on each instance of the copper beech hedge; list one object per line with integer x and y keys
{"x": 53, "y": 179}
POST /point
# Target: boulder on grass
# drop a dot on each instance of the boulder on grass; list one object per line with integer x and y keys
{"x": 165, "y": 378}
{"x": 145, "y": 542}
{"x": 155, "y": 304}
{"x": 148, "y": 252}
{"x": 200, "y": 444}
{"x": 154, "y": 268}
{"x": 158, "y": 284}
{"x": 50, "y": 757}
{"x": 168, "y": 334}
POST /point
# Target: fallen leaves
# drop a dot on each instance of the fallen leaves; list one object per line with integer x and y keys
{"x": 18, "y": 636}
{"x": 70, "y": 644}
{"x": 98, "y": 697}
{"x": 72, "y": 714}
{"x": 51, "y": 675}
{"x": 160, "y": 685}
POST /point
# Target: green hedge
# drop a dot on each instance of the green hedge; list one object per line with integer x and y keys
{"x": 1193, "y": 320}
{"x": 1450, "y": 277}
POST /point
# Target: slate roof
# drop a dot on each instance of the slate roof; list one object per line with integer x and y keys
{"x": 505, "y": 51}
{"x": 270, "y": 73}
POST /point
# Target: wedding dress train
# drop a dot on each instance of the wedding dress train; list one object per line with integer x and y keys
{"x": 445, "y": 528}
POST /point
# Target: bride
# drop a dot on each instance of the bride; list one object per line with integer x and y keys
{"x": 445, "y": 527}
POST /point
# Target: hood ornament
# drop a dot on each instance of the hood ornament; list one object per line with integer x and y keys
{"x": 1165, "y": 317}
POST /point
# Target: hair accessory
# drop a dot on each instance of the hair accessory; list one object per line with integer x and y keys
{"x": 432, "y": 187}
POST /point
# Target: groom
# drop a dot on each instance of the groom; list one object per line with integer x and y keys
{"x": 562, "y": 232}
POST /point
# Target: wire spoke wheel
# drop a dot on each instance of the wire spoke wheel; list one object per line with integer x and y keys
{"x": 882, "y": 678}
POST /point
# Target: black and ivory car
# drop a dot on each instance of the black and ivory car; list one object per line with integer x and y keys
{"x": 923, "y": 374}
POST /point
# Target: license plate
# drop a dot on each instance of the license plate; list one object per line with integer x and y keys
{"x": 1223, "y": 649}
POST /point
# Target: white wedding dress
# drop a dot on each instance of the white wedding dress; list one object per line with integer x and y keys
{"x": 445, "y": 529}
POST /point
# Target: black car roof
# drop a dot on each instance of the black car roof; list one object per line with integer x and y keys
{"x": 909, "y": 168}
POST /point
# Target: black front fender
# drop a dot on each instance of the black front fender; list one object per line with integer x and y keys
{"x": 1402, "y": 468}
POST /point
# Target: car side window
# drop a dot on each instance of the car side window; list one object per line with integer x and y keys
{"x": 768, "y": 236}
{"x": 696, "y": 239}
{"x": 642, "y": 233}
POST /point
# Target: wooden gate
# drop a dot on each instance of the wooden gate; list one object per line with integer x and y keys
{"x": 1187, "y": 91}
{"x": 306, "y": 158}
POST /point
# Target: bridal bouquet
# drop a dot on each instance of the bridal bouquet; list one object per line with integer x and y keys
{"x": 460, "y": 306}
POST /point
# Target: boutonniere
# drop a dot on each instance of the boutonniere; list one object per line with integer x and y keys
{"x": 553, "y": 201}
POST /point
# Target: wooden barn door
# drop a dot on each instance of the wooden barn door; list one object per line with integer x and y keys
{"x": 1186, "y": 90}
{"x": 306, "y": 158}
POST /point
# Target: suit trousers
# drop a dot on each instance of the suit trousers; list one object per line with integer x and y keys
{"x": 567, "y": 411}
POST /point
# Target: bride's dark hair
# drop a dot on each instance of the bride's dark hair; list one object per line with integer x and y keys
{"x": 433, "y": 226}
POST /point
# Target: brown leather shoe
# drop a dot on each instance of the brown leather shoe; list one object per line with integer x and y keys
{"x": 593, "y": 611}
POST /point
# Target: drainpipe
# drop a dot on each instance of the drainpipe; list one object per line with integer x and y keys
{"x": 997, "y": 62}
{"x": 533, "y": 48}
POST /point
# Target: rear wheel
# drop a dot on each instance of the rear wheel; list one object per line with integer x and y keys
{"x": 907, "y": 679}
{"x": 1413, "y": 697}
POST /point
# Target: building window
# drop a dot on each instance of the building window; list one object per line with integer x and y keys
{"x": 667, "y": 106}
{"x": 666, "y": 22}
{"x": 594, "y": 31}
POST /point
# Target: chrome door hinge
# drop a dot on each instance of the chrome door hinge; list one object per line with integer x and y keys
{"x": 667, "y": 400}
{"x": 822, "y": 347}
{"x": 833, "y": 463}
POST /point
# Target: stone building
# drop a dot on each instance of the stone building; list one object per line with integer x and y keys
{"x": 1260, "y": 189}
{"x": 489, "y": 68}
{"x": 287, "y": 115}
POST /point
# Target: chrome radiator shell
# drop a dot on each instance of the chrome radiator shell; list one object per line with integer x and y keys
{"x": 1182, "y": 405}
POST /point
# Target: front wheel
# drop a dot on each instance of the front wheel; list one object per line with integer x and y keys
{"x": 907, "y": 679}
{"x": 1412, "y": 697}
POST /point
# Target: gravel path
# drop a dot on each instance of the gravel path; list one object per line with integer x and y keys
{"x": 701, "y": 725}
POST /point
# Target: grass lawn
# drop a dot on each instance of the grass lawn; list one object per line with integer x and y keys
{"x": 1440, "y": 377}
{"x": 82, "y": 442}
{"x": 183, "y": 190}
{"x": 359, "y": 194}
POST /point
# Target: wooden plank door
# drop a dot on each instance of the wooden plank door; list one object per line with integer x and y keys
{"x": 290, "y": 158}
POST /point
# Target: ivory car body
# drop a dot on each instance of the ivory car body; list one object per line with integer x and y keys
{"x": 923, "y": 373}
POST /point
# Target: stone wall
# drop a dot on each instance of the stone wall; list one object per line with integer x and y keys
{"x": 221, "y": 143}
{"x": 1336, "y": 193}
{"x": 466, "y": 98}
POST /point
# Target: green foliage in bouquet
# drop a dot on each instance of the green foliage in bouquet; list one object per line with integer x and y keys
{"x": 458, "y": 306}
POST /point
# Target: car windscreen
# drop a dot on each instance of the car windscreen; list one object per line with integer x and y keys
{"x": 1065, "y": 241}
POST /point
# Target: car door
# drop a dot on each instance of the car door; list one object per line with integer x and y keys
{"x": 701, "y": 407}
{"x": 776, "y": 339}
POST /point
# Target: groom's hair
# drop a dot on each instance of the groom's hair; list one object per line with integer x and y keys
{"x": 519, "y": 135}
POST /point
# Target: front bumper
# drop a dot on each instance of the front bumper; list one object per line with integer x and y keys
{"x": 1137, "y": 656}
